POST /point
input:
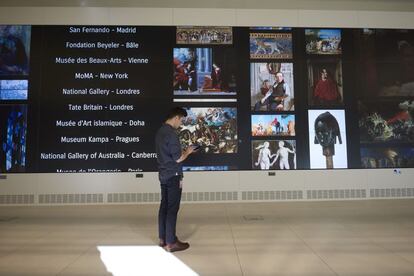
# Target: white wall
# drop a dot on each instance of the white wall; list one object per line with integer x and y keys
{"x": 206, "y": 186}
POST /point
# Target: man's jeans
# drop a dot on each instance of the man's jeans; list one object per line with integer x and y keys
{"x": 170, "y": 204}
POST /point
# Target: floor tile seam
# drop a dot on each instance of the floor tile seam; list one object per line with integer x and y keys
{"x": 313, "y": 251}
{"x": 75, "y": 259}
{"x": 113, "y": 229}
{"x": 86, "y": 251}
{"x": 25, "y": 246}
{"x": 370, "y": 240}
{"x": 234, "y": 240}
{"x": 406, "y": 226}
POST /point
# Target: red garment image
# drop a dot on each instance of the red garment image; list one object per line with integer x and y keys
{"x": 400, "y": 116}
{"x": 326, "y": 91}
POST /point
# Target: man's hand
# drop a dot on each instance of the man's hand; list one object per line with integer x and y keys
{"x": 189, "y": 150}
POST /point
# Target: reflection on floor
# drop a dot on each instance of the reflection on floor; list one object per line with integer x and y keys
{"x": 288, "y": 238}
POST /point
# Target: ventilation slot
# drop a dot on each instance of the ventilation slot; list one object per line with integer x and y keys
{"x": 336, "y": 194}
{"x": 17, "y": 199}
{"x": 272, "y": 195}
{"x": 392, "y": 192}
{"x": 70, "y": 198}
{"x": 209, "y": 196}
{"x": 133, "y": 197}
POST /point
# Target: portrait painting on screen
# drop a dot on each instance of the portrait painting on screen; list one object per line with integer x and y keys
{"x": 271, "y": 86}
{"x": 325, "y": 86}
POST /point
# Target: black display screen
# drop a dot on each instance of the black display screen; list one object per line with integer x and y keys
{"x": 91, "y": 98}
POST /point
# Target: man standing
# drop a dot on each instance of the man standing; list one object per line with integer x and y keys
{"x": 275, "y": 97}
{"x": 169, "y": 158}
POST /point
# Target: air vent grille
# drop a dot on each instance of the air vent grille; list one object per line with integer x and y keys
{"x": 336, "y": 194}
{"x": 392, "y": 192}
{"x": 70, "y": 198}
{"x": 209, "y": 196}
{"x": 272, "y": 195}
{"x": 133, "y": 197}
{"x": 17, "y": 199}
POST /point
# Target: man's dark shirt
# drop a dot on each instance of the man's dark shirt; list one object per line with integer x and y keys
{"x": 168, "y": 149}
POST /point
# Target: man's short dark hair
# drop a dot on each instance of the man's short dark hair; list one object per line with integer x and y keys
{"x": 176, "y": 111}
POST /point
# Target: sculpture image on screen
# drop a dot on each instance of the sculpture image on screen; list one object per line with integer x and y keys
{"x": 386, "y": 122}
{"x": 214, "y": 129}
{"x": 327, "y": 139}
{"x": 271, "y": 46}
{"x": 204, "y": 71}
{"x": 273, "y": 125}
{"x": 273, "y": 154}
{"x": 204, "y": 35}
{"x": 387, "y": 157}
{"x": 14, "y": 50}
{"x": 387, "y": 62}
{"x": 271, "y": 86}
{"x": 13, "y": 129}
{"x": 325, "y": 82}
{"x": 323, "y": 41}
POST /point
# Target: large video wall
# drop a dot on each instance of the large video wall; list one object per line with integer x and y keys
{"x": 90, "y": 98}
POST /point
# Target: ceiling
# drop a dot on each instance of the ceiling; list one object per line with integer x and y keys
{"x": 375, "y": 5}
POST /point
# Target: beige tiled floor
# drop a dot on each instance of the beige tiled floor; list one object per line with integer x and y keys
{"x": 290, "y": 238}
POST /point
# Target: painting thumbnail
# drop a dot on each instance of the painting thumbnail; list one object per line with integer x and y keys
{"x": 204, "y": 71}
{"x": 273, "y": 125}
{"x": 274, "y": 154}
{"x": 271, "y": 86}
{"x": 325, "y": 86}
{"x": 14, "y": 50}
{"x": 13, "y": 130}
{"x": 204, "y": 35}
{"x": 271, "y": 46}
{"x": 387, "y": 62}
{"x": 206, "y": 168}
{"x": 386, "y": 121}
{"x": 13, "y": 89}
{"x": 323, "y": 41}
{"x": 214, "y": 129}
{"x": 387, "y": 157}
